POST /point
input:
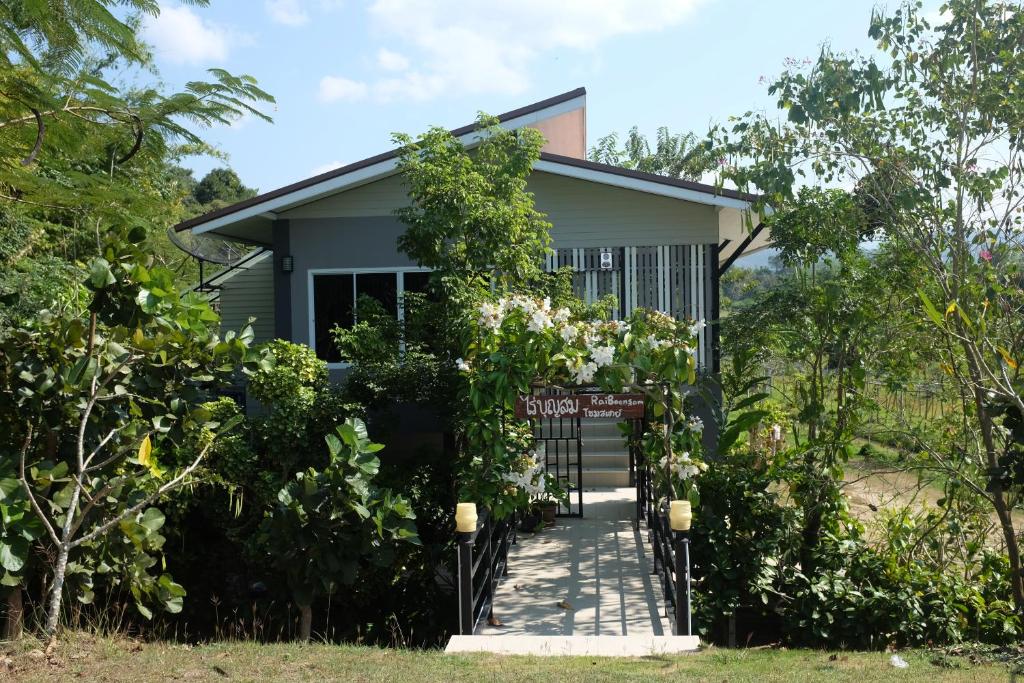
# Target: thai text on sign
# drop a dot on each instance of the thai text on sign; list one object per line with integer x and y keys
{"x": 617, "y": 406}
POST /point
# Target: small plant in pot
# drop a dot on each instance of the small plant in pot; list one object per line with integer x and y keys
{"x": 542, "y": 488}
{"x": 548, "y": 509}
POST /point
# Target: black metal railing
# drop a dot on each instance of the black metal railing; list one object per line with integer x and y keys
{"x": 672, "y": 563}
{"x": 482, "y": 562}
{"x": 641, "y": 475}
{"x": 210, "y": 284}
{"x": 671, "y": 549}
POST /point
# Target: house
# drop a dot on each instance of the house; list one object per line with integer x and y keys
{"x": 654, "y": 241}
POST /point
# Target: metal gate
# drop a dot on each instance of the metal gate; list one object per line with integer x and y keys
{"x": 562, "y": 443}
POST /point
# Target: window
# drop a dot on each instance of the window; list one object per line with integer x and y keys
{"x": 334, "y": 297}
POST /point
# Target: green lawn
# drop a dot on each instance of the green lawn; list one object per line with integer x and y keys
{"x": 118, "y": 659}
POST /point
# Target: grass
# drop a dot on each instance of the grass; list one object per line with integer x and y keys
{"x": 85, "y": 657}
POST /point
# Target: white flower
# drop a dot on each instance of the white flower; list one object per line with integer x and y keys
{"x": 527, "y": 306}
{"x": 462, "y": 365}
{"x": 702, "y": 466}
{"x": 602, "y": 355}
{"x": 586, "y": 373}
{"x": 685, "y": 456}
{"x": 491, "y": 316}
{"x": 568, "y": 333}
{"x": 539, "y": 321}
{"x": 546, "y": 304}
{"x": 695, "y": 424}
{"x": 561, "y": 315}
{"x": 654, "y": 343}
{"x": 697, "y": 327}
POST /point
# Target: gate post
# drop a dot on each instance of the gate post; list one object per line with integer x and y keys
{"x": 682, "y": 557}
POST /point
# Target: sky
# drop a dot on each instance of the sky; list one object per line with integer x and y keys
{"x": 347, "y": 74}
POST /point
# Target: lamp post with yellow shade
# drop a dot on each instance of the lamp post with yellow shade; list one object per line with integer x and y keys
{"x": 465, "y": 535}
{"x": 680, "y": 517}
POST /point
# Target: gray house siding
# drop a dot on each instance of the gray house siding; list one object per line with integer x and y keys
{"x": 250, "y": 294}
{"x": 585, "y": 214}
{"x": 356, "y": 229}
{"x": 379, "y": 198}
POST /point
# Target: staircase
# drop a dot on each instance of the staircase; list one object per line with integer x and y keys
{"x": 605, "y": 456}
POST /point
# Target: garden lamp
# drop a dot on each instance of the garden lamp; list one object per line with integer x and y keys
{"x": 680, "y": 515}
{"x": 465, "y": 518}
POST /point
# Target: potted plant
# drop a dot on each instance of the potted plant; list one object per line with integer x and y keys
{"x": 548, "y": 509}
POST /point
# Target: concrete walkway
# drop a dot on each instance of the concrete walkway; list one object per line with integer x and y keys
{"x": 583, "y": 577}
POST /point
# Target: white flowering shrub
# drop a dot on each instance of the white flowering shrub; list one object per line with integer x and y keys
{"x": 520, "y": 342}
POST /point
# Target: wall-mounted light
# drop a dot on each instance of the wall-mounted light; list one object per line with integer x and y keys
{"x": 287, "y": 264}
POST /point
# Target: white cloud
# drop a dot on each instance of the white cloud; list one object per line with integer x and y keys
{"x": 287, "y": 12}
{"x": 324, "y": 168}
{"x": 391, "y": 61}
{"x": 180, "y": 36}
{"x": 335, "y": 88}
{"x": 467, "y": 46}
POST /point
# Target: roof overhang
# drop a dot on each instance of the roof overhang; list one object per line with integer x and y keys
{"x": 741, "y": 233}
{"x": 252, "y": 220}
{"x": 643, "y": 182}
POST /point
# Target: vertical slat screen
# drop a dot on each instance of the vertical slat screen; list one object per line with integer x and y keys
{"x": 675, "y": 279}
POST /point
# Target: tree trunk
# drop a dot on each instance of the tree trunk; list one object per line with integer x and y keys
{"x": 1012, "y": 548}
{"x": 810, "y": 536}
{"x": 305, "y": 623}
{"x": 56, "y": 592}
{"x": 998, "y": 495}
{"x": 15, "y": 615}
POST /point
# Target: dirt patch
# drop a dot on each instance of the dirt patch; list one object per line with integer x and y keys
{"x": 872, "y": 487}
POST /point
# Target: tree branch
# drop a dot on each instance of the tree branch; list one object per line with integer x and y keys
{"x": 28, "y": 489}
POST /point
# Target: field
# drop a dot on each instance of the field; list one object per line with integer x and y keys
{"x": 91, "y": 658}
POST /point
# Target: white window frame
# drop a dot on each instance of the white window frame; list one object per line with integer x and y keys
{"x": 399, "y": 293}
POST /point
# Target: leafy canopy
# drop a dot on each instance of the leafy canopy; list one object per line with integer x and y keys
{"x": 471, "y": 214}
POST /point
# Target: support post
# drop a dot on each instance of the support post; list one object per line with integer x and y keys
{"x": 684, "y": 627}
{"x": 464, "y": 541}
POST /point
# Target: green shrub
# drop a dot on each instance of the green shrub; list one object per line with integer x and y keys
{"x": 745, "y": 550}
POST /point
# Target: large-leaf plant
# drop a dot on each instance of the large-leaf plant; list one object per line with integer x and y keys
{"x": 96, "y": 397}
{"x": 330, "y": 523}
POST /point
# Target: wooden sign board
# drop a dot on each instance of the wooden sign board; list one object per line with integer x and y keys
{"x": 571, "y": 406}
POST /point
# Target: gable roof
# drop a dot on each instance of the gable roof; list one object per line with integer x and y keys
{"x": 462, "y": 131}
{"x": 381, "y": 165}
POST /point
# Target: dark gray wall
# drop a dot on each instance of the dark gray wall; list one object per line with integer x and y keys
{"x": 366, "y": 242}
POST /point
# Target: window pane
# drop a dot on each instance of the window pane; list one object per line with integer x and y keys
{"x": 332, "y": 305}
{"x": 381, "y": 286}
{"x": 417, "y": 281}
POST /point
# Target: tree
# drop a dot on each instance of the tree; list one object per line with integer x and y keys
{"x": 471, "y": 216}
{"x": 96, "y": 398}
{"x": 220, "y": 187}
{"x": 329, "y": 523}
{"x": 681, "y": 155}
{"x": 79, "y": 150}
{"x": 930, "y": 133}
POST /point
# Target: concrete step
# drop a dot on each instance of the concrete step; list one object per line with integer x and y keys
{"x": 591, "y": 429}
{"x": 575, "y": 646}
{"x": 611, "y": 460}
{"x": 604, "y": 443}
{"x": 602, "y": 476}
